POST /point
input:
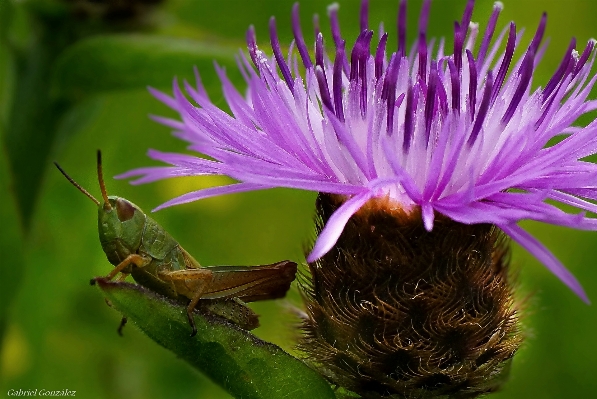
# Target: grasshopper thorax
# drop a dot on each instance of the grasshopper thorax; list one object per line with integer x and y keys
{"x": 120, "y": 224}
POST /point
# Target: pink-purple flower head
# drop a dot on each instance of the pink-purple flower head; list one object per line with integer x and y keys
{"x": 460, "y": 131}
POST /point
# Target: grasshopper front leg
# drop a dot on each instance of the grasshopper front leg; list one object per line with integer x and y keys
{"x": 192, "y": 283}
{"x": 134, "y": 259}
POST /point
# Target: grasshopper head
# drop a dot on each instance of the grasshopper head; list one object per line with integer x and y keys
{"x": 120, "y": 222}
{"x": 120, "y": 226}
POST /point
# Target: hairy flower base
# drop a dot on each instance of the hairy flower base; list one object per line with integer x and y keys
{"x": 396, "y": 310}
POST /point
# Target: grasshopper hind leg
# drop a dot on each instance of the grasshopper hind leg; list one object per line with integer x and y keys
{"x": 123, "y": 320}
{"x": 122, "y": 324}
{"x": 191, "y": 321}
{"x": 190, "y": 283}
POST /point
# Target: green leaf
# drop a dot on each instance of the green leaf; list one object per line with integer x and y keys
{"x": 120, "y": 62}
{"x": 241, "y": 363}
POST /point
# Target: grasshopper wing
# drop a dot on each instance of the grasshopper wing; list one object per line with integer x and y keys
{"x": 242, "y": 283}
{"x": 248, "y": 283}
{"x": 252, "y": 283}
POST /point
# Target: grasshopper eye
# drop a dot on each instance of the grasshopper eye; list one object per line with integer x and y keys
{"x": 124, "y": 209}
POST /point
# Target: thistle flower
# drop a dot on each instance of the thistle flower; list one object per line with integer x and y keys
{"x": 424, "y": 159}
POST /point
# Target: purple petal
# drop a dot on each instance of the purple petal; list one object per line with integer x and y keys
{"x": 428, "y": 216}
{"x": 163, "y": 97}
{"x": 173, "y": 123}
{"x": 332, "y": 230}
{"x": 298, "y": 37}
{"x": 211, "y": 192}
{"x": 537, "y": 249}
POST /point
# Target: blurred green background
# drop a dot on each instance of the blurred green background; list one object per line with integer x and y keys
{"x": 57, "y": 331}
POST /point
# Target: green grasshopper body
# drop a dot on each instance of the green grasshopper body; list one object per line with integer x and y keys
{"x": 138, "y": 246}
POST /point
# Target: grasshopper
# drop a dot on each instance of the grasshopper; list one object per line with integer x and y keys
{"x": 137, "y": 245}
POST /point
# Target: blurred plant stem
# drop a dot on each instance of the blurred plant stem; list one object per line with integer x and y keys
{"x": 11, "y": 244}
{"x": 34, "y": 114}
{"x": 29, "y": 128}
{"x": 36, "y": 106}
{"x": 33, "y": 35}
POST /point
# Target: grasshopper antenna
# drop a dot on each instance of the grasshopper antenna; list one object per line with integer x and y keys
{"x": 100, "y": 177}
{"x": 74, "y": 183}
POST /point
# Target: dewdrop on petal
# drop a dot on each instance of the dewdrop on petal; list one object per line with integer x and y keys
{"x": 425, "y": 158}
